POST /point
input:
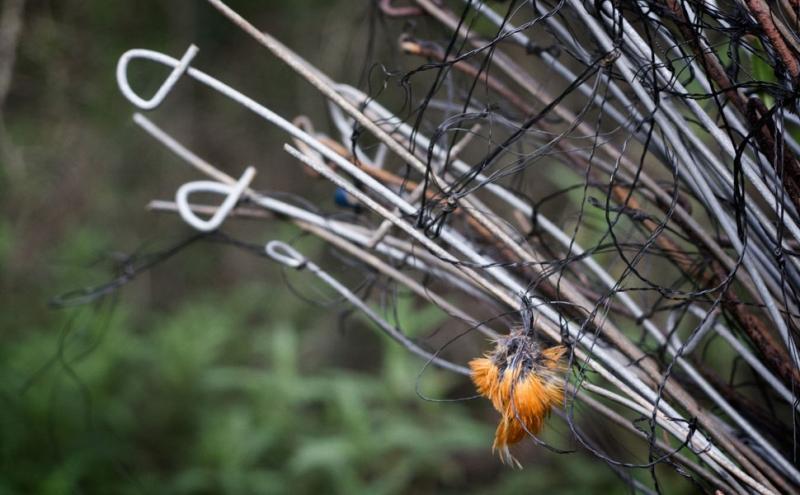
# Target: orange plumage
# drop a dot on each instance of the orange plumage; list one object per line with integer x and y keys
{"x": 523, "y": 382}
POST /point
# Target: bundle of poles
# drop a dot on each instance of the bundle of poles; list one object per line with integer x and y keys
{"x": 622, "y": 176}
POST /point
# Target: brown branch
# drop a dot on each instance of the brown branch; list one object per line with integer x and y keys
{"x": 775, "y": 356}
{"x": 767, "y": 142}
{"x": 790, "y": 173}
{"x": 763, "y": 14}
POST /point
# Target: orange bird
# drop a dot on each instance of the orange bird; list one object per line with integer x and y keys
{"x": 524, "y": 382}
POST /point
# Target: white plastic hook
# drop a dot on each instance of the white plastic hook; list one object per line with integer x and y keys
{"x": 233, "y": 192}
{"x": 166, "y": 87}
{"x": 285, "y": 254}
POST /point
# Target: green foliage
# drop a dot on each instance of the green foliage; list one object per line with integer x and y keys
{"x": 217, "y": 397}
{"x": 202, "y": 402}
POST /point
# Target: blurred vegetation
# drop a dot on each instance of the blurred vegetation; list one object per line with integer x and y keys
{"x": 225, "y": 395}
{"x": 204, "y": 375}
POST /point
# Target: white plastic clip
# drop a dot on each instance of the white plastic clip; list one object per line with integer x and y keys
{"x": 285, "y": 254}
{"x": 233, "y": 192}
{"x": 166, "y": 87}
